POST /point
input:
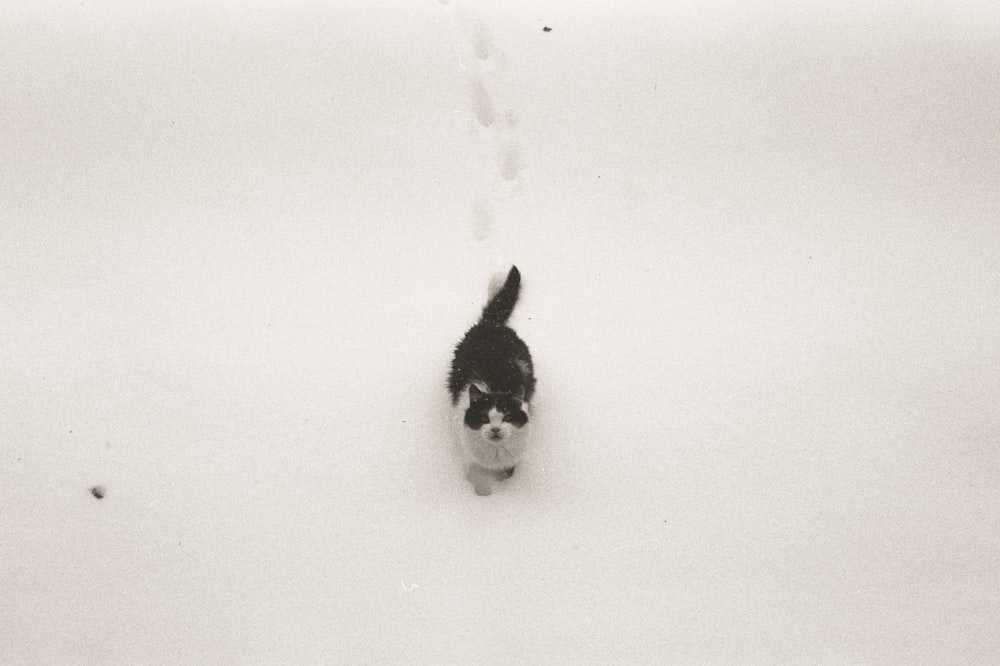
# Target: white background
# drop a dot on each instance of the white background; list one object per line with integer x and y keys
{"x": 760, "y": 254}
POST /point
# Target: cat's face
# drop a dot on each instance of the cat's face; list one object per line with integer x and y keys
{"x": 496, "y": 418}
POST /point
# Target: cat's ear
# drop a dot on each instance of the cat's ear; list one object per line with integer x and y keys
{"x": 474, "y": 393}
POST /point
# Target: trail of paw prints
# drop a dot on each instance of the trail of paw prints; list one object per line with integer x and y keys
{"x": 502, "y": 127}
{"x": 481, "y": 64}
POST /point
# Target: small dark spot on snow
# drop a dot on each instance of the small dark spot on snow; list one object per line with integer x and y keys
{"x": 546, "y": 29}
{"x": 98, "y": 491}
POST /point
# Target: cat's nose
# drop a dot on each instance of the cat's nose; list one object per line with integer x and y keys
{"x": 495, "y": 430}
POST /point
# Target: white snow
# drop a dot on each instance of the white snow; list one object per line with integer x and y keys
{"x": 759, "y": 247}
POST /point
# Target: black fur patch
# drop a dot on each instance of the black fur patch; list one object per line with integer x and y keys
{"x": 492, "y": 353}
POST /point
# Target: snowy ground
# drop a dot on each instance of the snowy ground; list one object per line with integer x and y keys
{"x": 760, "y": 256}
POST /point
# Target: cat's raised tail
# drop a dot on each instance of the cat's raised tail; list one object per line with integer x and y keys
{"x": 497, "y": 310}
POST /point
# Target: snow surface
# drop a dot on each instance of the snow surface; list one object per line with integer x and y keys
{"x": 760, "y": 255}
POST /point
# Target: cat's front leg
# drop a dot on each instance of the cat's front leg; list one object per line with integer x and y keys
{"x": 481, "y": 479}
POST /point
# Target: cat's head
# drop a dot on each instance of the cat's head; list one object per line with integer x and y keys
{"x": 496, "y": 416}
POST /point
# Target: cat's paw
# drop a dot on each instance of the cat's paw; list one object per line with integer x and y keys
{"x": 481, "y": 481}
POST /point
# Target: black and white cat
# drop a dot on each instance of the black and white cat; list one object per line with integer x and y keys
{"x": 491, "y": 383}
